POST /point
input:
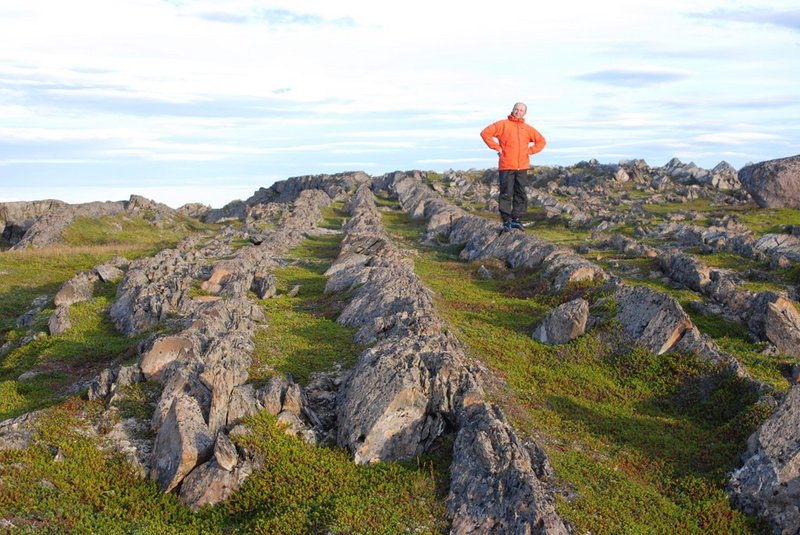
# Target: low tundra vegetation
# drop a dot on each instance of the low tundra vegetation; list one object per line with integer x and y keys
{"x": 641, "y": 443}
{"x": 299, "y": 488}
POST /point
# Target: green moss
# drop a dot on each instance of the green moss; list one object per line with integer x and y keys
{"x": 313, "y": 490}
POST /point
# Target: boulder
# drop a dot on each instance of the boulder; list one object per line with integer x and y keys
{"x": 59, "y": 321}
{"x": 564, "y": 323}
{"x": 210, "y": 483}
{"x": 773, "y": 183}
{"x": 79, "y": 288}
{"x": 497, "y": 480}
{"x": 164, "y": 351}
{"x": 183, "y": 442}
{"x": 783, "y": 326}
{"x": 651, "y": 318}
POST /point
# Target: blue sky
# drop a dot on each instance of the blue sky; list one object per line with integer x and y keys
{"x": 206, "y": 101}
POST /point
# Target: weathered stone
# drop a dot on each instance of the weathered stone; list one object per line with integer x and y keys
{"x": 496, "y": 482}
{"x": 164, "y": 351}
{"x": 108, "y": 272}
{"x": 209, "y": 484}
{"x": 383, "y": 409}
{"x": 271, "y": 395}
{"x": 130, "y": 438}
{"x": 183, "y": 442}
{"x": 225, "y": 452}
{"x": 16, "y": 433}
{"x": 59, "y": 322}
{"x": 564, "y": 323}
{"x": 773, "y": 183}
{"x": 768, "y": 484}
{"x": 100, "y": 387}
{"x": 77, "y": 289}
{"x": 264, "y": 285}
{"x": 651, "y": 318}
{"x": 783, "y": 326}
{"x": 37, "y": 305}
{"x": 243, "y": 403}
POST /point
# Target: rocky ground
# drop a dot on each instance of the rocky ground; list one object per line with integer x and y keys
{"x": 649, "y": 255}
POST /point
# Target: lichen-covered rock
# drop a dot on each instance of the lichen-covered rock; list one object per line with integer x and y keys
{"x": 496, "y": 480}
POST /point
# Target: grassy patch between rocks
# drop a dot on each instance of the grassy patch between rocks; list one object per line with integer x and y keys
{"x": 301, "y": 489}
{"x": 301, "y": 335}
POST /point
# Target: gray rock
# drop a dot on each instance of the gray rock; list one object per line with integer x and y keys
{"x": 484, "y": 273}
{"x": 17, "y": 433}
{"x": 564, "y": 323}
{"x": 496, "y": 480}
{"x": 773, "y": 183}
{"x": 164, "y": 351}
{"x": 271, "y": 395}
{"x": 651, "y": 318}
{"x": 210, "y": 483}
{"x": 383, "y": 406}
{"x": 768, "y": 484}
{"x": 59, "y": 322}
{"x": 37, "y": 305}
{"x": 79, "y": 288}
{"x": 243, "y": 403}
{"x": 783, "y": 326}
{"x": 108, "y": 272}
{"x": 183, "y": 442}
{"x": 225, "y": 452}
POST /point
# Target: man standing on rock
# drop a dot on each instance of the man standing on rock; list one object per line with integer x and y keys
{"x": 512, "y": 139}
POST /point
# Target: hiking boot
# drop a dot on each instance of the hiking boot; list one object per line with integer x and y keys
{"x": 506, "y": 227}
{"x": 514, "y": 223}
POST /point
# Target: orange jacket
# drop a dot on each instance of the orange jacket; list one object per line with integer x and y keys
{"x": 513, "y": 137}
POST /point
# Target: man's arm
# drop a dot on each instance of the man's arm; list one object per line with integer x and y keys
{"x": 489, "y": 135}
{"x": 538, "y": 142}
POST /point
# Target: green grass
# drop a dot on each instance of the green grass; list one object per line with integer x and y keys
{"x": 301, "y": 336}
{"x": 301, "y": 489}
{"x": 29, "y": 273}
{"x": 643, "y": 441}
{"x": 769, "y": 220}
{"x": 130, "y": 231}
{"x": 91, "y": 344}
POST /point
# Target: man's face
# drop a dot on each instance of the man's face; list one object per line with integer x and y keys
{"x": 519, "y": 111}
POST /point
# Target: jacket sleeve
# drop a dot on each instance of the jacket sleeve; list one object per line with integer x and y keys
{"x": 538, "y": 141}
{"x": 488, "y": 134}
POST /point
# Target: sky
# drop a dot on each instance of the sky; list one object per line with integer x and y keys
{"x": 206, "y": 101}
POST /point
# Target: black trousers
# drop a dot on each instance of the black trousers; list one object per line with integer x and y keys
{"x": 513, "y": 200}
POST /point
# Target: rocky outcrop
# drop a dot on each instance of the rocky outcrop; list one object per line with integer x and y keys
{"x": 336, "y": 186}
{"x": 773, "y": 183}
{"x": 415, "y": 384}
{"x": 41, "y": 223}
{"x": 768, "y": 484}
{"x": 202, "y": 367}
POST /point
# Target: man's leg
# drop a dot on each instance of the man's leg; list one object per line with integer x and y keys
{"x": 520, "y": 203}
{"x": 506, "y": 199}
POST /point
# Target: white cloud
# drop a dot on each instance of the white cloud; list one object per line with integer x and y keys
{"x": 191, "y": 89}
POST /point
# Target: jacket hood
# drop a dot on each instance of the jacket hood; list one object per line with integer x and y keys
{"x": 512, "y": 118}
